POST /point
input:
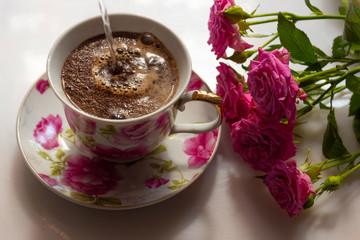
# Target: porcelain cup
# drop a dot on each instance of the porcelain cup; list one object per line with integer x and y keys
{"x": 128, "y": 139}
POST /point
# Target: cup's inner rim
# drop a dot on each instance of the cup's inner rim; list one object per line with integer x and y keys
{"x": 185, "y": 78}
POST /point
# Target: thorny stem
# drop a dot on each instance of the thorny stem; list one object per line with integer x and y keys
{"x": 270, "y": 40}
{"x": 291, "y": 16}
{"x": 352, "y": 158}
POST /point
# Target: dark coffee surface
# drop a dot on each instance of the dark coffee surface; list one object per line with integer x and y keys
{"x": 145, "y": 77}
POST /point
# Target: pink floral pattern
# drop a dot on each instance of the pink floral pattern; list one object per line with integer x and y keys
{"x": 78, "y": 123}
{"x": 115, "y": 154}
{"x": 90, "y": 176}
{"x": 47, "y": 130}
{"x": 134, "y": 133}
{"x": 42, "y": 85}
{"x": 70, "y": 171}
{"x": 155, "y": 182}
{"x": 289, "y": 186}
{"x": 195, "y": 83}
{"x": 222, "y": 33}
{"x": 200, "y": 148}
{"x": 52, "y": 182}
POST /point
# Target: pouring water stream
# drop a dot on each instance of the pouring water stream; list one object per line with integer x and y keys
{"x": 108, "y": 33}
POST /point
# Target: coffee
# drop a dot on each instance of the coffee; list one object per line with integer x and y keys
{"x": 143, "y": 78}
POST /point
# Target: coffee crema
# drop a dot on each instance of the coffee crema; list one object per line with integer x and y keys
{"x": 143, "y": 79}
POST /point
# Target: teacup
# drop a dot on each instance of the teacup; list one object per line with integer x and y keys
{"x": 128, "y": 139}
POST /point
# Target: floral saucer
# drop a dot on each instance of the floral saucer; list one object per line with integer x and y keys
{"x": 90, "y": 181}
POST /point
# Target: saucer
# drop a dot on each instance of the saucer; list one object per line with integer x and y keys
{"x": 87, "y": 180}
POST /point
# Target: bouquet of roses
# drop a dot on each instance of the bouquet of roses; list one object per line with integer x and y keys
{"x": 264, "y": 107}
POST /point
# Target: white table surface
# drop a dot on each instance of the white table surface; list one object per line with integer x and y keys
{"x": 226, "y": 202}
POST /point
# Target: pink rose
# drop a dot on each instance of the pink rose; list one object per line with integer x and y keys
{"x": 272, "y": 86}
{"x": 52, "y": 182}
{"x": 222, "y": 33}
{"x": 82, "y": 124}
{"x": 115, "y": 154}
{"x": 162, "y": 124}
{"x": 42, "y": 85}
{"x": 200, "y": 148}
{"x": 134, "y": 134}
{"x": 236, "y": 103}
{"x": 283, "y": 55}
{"x": 155, "y": 182}
{"x": 195, "y": 83}
{"x": 289, "y": 186}
{"x": 90, "y": 176}
{"x": 47, "y": 130}
{"x": 263, "y": 145}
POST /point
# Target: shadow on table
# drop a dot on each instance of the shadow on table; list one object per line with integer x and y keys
{"x": 57, "y": 218}
{"x": 264, "y": 219}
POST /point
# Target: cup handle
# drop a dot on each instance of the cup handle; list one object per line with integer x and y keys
{"x": 198, "y": 95}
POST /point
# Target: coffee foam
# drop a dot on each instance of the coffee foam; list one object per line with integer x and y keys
{"x": 136, "y": 72}
{"x": 146, "y": 77}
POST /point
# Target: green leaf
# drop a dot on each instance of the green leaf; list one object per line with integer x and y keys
{"x": 167, "y": 164}
{"x": 154, "y": 165}
{"x": 44, "y": 155}
{"x": 174, "y": 187}
{"x": 355, "y": 49}
{"x": 315, "y": 67}
{"x": 333, "y": 146}
{"x": 345, "y": 4}
{"x": 295, "y": 40}
{"x": 69, "y": 133}
{"x": 340, "y": 48}
{"x": 352, "y": 23}
{"x": 353, "y": 83}
{"x": 159, "y": 149}
{"x": 313, "y": 8}
{"x": 176, "y": 182}
{"x": 273, "y": 47}
{"x": 356, "y": 127}
{"x": 56, "y": 171}
{"x": 108, "y": 130}
{"x": 320, "y": 52}
{"x": 60, "y": 153}
{"x": 354, "y": 108}
{"x": 172, "y": 169}
{"x": 82, "y": 197}
{"x": 88, "y": 140}
{"x": 342, "y": 10}
{"x": 108, "y": 201}
{"x": 323, "y": 106}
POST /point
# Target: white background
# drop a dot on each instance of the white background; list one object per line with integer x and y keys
{"x": 226, "y": 202}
